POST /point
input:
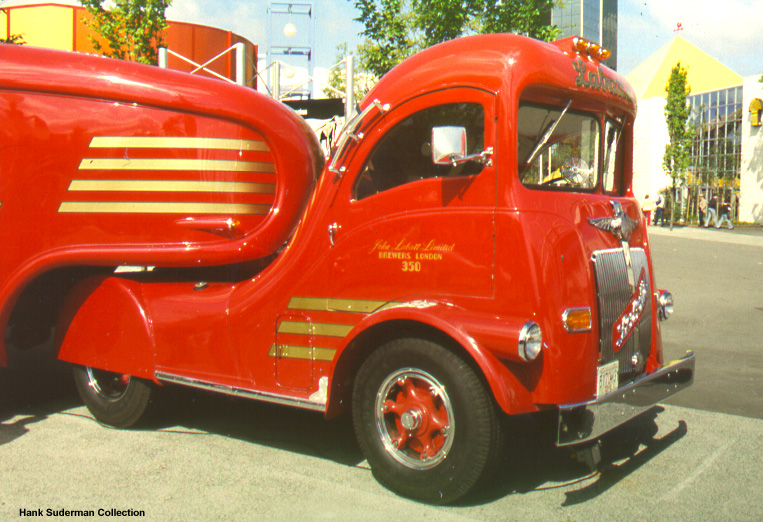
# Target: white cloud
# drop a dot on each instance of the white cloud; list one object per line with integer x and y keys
{"x": 728, "y": 31}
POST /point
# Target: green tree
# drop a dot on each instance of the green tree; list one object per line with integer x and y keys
{"x": 131, "y": 29}
{"x": 396, "y": 29}
{"x": 677, "y": 109}
{"x": 337, "y": 81}
{"x": 387, "y": 34}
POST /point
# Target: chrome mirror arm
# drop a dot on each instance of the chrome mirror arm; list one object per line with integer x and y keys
{"x": 485, "y": 157}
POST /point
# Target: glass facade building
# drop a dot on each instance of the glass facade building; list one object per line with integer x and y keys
{"x": 716, "y": 150}
{"x": 595, "y": 20}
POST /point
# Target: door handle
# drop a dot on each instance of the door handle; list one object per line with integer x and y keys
{"x": 333, "y": 228}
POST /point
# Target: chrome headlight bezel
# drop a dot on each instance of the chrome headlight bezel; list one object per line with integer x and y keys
{"x": 664, "y": 304}
{"x": 530, "y": 343}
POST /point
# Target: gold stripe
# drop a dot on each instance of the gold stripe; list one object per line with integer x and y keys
{"x": 177, "y": 142}
{"x": 176, "y": 164}
{"x": 318, "y": 329}
{"x": 124, "y": 185}
{"x": 335, "y": 305}
{"x": 301, "y": 352}
{"x": 174, "y": 207}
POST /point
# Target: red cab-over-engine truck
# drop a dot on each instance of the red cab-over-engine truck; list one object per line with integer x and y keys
{"x": 470, "y": 250}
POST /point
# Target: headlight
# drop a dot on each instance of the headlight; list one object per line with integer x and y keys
{"x": 664, "y": 304}
{"x": 530, "y": 341}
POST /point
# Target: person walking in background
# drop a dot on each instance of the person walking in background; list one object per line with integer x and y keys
{"x": 659, "y": 210}
{"x": 702, "y": 206}
{"x": 711, "y": 212}
{"x": 725, "y": 212}
{"x": 646, "y": 208}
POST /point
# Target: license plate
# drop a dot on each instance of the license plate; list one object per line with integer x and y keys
{"x": 606, "y": 378}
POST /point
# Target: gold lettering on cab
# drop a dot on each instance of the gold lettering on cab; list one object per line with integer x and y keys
{"x": 411, "y": 253}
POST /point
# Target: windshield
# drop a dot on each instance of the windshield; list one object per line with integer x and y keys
{"x": 558, "y": 148}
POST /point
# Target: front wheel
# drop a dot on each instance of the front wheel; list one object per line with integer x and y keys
{"x": 425, "y": 421}
{"x": 114, "y": 399}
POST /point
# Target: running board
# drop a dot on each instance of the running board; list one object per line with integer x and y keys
{"x": 240, "y": 392}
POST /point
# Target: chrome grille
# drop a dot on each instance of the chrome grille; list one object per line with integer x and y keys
{"x": 614, "y": 293}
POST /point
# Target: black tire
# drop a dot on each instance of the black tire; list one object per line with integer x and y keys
{"x": 114, "y": 399}
{"x": 399, "y": 428}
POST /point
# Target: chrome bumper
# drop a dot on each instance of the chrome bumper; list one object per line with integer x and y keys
{"x": 587, "y": 421}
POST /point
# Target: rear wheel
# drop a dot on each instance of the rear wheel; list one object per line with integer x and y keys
{"x": 114, "y": 399}
{"x": 425, "y": 421}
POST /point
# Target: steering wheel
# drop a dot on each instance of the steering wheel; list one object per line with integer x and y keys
{"x": 577, "y": 172}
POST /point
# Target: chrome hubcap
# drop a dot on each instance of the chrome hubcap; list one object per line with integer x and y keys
{"x": 414, "y": 418}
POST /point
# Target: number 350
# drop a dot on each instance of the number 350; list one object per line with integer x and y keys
{"x": 411, "y": 266}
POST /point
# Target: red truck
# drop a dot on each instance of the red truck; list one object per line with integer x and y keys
{"x": 472, "y": 249}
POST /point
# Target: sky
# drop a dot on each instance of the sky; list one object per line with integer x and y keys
{"x": 728, "y": 30}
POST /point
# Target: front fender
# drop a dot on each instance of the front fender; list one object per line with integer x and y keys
{"x": 104, "y": 325}
{"x": 486, "y": 339}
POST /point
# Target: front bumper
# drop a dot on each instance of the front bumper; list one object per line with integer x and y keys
{"x": 587, "y": 421}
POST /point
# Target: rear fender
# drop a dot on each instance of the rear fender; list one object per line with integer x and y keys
{"x": 104, "y": 325}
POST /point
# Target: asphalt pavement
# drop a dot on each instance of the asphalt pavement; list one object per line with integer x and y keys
{"x": 716, "y": 278}
{"x": 751, "y": 235}
{"x": 243, "y": 461}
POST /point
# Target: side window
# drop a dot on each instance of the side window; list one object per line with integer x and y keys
{"x": 612, "y": 155}
{"x": 404, "y": 154}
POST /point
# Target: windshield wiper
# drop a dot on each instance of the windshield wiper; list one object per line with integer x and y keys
{"x": 546, "y": 135}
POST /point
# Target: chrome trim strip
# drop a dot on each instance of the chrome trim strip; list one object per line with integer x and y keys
{"x": 165, "y": 207}
{"x": 587, "y": 421}
{"x": 240, "y": 392}
{"x": 318, "y": 329}
{"x": 349, "y": 131}
{"x": 174, "y": 164}
{"x": 156, "y": 185}
{"x": 329, "y": 304}
{"x": 307, "y": 353}
{"x": 177, "y": 142}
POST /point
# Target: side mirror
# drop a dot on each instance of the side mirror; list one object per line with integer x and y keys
{"x": 448, "y": 145}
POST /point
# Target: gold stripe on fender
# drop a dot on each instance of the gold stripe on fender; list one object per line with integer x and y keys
{"x": 301, "y": 352}
{"x": 177, "y": 142}
{"x": 174, "y": 207}
{"x": 318, "y": 329}
{"x": 176, "y": 164}
{"x": 125, "y": 185}
{"x": 329, "y": 304}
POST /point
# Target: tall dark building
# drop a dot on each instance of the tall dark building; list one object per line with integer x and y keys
{"x": 595, "y": 20}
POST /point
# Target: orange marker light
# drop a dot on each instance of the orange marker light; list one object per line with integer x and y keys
{"x": 577, "y": 319}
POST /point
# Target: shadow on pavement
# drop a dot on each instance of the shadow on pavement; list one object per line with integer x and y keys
{"x": 36, "y": 385}
{"x": 35, "y": 381}
{"x": 33, "y": 385}
{"x": 280, "y": 427}
{"x": 537, "y": 461}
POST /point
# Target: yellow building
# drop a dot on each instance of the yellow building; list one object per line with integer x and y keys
{"x": 727, "y": 149}
{"x": 59, "y": 25}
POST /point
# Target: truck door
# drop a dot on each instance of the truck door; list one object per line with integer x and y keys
{"x": 403, "y": 226}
